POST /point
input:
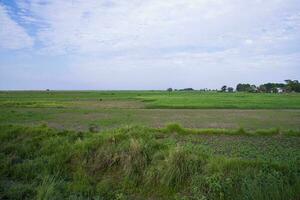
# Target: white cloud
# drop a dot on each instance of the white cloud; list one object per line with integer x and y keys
{"x": 249, "y": 42}
{"x": 156, "y": 43}
{"x": 12, "y": 35}
{"x": 111, "y": 25}
{"x": 180, "y": 70}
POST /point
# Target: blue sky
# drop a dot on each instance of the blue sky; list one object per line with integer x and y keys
{"x": 153, "y": 44}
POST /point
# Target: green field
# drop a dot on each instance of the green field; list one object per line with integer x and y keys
{"x": 149, "y": 145}
{"x": 154, "y": 99}
{"x": 111, "y": 109}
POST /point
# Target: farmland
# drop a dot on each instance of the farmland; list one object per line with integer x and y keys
{"x": 111, "y": 109}
{"x": 154, "y": 99}
{"x": 149, "y": 145}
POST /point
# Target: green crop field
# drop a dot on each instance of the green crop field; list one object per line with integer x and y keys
{"x": 78, "y": 110}
{"x": 149, "y": 145}
{"x": 154, "y": 99}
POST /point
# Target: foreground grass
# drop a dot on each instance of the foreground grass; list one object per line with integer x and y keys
{"x": 145, "y": 163}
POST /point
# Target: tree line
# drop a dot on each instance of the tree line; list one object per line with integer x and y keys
{"x": 288, "y": 86}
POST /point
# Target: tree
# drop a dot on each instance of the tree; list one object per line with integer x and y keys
{"x": 274, "y": 90}
{"x": 262, "y": 88}
{"x": 169, "y": 89}
{"x": 223, "y": 88}
{"x": 230, "y": 89}
{"x": 288, "y": 81}
{"x": 296, "y": 86}
{"x": 243, "y": 87}
{"x": 272, "y": 87}
{"x": 269, "y": 87}
{"x": 293, "y": 86}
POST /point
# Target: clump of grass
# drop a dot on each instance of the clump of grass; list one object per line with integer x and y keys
{"x": 48, "y": 189}
{"x": 136, "y": 160}
{"x": 82, "y": 183}
{"x": 104, "y": 158}
{"x": 175, "y": 128}
{"x": 181, "y": 164}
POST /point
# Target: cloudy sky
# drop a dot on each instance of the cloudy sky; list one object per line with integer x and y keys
{"x": 147, "y": 44}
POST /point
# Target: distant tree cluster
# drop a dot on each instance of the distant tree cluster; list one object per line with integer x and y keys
{"x": 185, "y": 89}
{"x": 224, "y": 88}
{"x": 230, "y": 89}
{"x": 169, "y": 89}
{"x": 288, "y": 86}
{"x": 246, "y": 88}
{"x": 292, "y": 86}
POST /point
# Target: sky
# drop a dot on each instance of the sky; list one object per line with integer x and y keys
{"x": 147, "y": 44}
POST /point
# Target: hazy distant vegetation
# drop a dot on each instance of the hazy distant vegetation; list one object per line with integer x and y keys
{"x": 152, "y": 99}
{"x": 288, "y": 86}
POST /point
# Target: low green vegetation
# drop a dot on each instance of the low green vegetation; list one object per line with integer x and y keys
{"x": 116, "y": 145}
{"x": 260, "y": 132}
{"x": 110, "y": 116}
{"x": 146, "y": 163}
{"x": 152, "y": 99}
{"x": 206, "y": 100}
{"x": 78, "y": 110}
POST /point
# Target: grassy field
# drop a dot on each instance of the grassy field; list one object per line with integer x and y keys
{"x": 154, "y": 99}
{"x": 144, "y": 163}
{"x": 78, "y": 110}
{"x": 107, "y": 118}
{"x": 116, "y": 145}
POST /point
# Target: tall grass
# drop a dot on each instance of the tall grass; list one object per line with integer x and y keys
{"x": 133, "y": 163}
